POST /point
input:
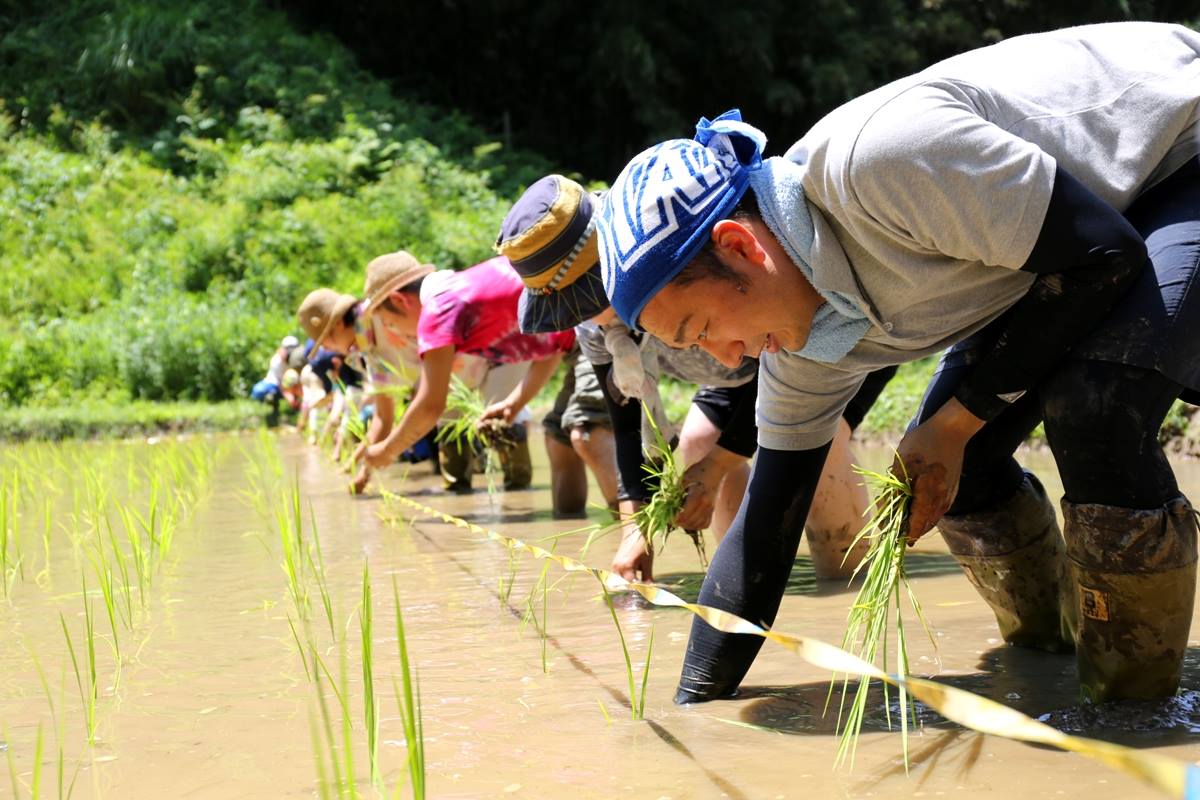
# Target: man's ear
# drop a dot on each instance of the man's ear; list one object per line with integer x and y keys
{"x": 405, "y": 300}
{"x": 735, "y": 240}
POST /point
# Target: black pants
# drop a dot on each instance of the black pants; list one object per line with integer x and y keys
{"x": 1102, "y": 422}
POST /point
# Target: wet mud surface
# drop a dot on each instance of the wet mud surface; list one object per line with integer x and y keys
{"x": 213, "y": 701}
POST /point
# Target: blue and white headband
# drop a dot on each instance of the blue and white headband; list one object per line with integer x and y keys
{"x": 662, "y": 207}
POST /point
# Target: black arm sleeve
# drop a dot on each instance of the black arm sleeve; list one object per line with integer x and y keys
{"x": 750, "y": 570}
{"x": 627, "y": 440}
{"x": 1086, "y": 257}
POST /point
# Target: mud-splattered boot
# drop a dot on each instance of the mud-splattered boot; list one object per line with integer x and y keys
{"x": 455, "y": 462}
{"x": 1133, "y": 574}
{"x": 1013, "y": 555}
{"x": 514, "y": 458}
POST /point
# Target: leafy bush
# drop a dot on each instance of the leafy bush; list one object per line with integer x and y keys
{"x": 175, "y": 177}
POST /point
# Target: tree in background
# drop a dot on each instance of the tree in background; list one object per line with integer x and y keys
{"x": 589, "y": 84}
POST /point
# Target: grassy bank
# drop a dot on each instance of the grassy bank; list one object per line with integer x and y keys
{"x": 139, "y": 418}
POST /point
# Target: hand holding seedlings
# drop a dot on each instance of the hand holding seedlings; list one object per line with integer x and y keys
{"x": 700, "y": 482}
{"x": 502, "y": 411}
{"x": 931, "y": 455}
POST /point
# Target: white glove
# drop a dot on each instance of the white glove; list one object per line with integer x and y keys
{"x": 627, "y": 371}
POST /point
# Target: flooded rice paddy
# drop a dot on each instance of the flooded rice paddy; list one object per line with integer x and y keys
{"x": 226, "y": 650}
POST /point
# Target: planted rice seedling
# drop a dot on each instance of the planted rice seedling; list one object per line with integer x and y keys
{"x": 409, "y": 703}
{"x": 542, "y": 589}
{"x": 88, "y": 696}
{"x": 370, "y": 705}
{"x": 12, "y": 767}
{"x": 637, "y": 700}
{"x": 877, "y": 606}
{"x": 64, "y": 790}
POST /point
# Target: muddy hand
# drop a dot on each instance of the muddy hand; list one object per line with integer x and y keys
{"x": 697, "y": 510}
{"x": 932, "y": 462}
{"x": 633, "y": 560}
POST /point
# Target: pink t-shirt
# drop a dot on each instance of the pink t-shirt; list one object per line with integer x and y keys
{"x": 475, "y": 311}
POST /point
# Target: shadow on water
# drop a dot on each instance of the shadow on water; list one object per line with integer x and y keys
{"x": 1041, "y": 685}
{"x": 804, "y": 581}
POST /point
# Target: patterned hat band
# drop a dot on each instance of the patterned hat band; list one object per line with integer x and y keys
{"x": 588, "y": 234}
{"x": 549, "y": 234}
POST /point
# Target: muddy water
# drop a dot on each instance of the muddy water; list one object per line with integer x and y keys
{"x": 214, "y": 701}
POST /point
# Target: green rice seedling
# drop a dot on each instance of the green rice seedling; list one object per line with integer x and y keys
{"x": 409, "y": 704}
{"x": 341, "y": 754}
{"x": 291, "y": 536}
{"x": 123, "y": 567}
{"x": 656, "y": 519}
{"x": 637, "y": 702}
{"x": 12, "y": 767}
{"x": 137, "y": 550}
{"x": 43, "y": 577}
{"x": 464, "y": 429}
{"x": 540, "y": 594}
{"x": 10, "y": 545}
{"x": 327, "y": 747}
{"x": 506, "y": 583}
{"x": 877, "y": 605}
{"x": 57, "y": 723}
{"x": 104, "y": 577}
{"x": 88, "y": 696}
{"x": 370, "y": 705}
{"x": 300, "y": 648}
{"x": 37, "y": 765}
{"x": 317, "y": 567}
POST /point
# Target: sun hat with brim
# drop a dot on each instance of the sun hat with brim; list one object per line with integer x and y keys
{"x": 387, "y": 273}
{"x": 320, "y": 310}
{"x": 662, "y": 207}
{"x": 549, "y": 237}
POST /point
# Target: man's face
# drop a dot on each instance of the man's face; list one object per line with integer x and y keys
{"x": 725, "y": 319}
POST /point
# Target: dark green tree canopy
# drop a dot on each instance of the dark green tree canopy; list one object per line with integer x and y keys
{"x": 589, "y": 84}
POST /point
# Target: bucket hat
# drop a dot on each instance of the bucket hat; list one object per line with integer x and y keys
{"x": 319, "y": 311}
{"x": 549, "y": 237}
{"x": 387, "y": 273}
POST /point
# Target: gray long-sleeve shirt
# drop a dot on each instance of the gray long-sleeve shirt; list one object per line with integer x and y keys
{"x": 928, "y": 194}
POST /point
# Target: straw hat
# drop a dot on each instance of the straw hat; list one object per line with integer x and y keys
{"x": 549, "y": 236}
{"x": 390, "y": 272}
{"x": 320, "y": 310}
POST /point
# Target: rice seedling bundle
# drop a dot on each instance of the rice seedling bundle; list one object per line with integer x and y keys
{"x": 876, "y": 610}
{"x": 466, "y": 430}
{"x": 656, "y": 519}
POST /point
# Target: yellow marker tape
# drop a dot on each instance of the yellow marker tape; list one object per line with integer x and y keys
{"x": 1176, "y": 778}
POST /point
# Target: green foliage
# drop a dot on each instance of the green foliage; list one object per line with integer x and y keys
{"x": 591, "y": 84}
{"x": 95, "y": 419}
{"x": 175, "y": 177}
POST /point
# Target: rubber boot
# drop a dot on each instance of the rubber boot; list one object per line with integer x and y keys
{"x": 455, "y": 462}
{"x": 1133, "y": 573}
{"x": 515, "y": 460}
{"x": 1014, "y": 557}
